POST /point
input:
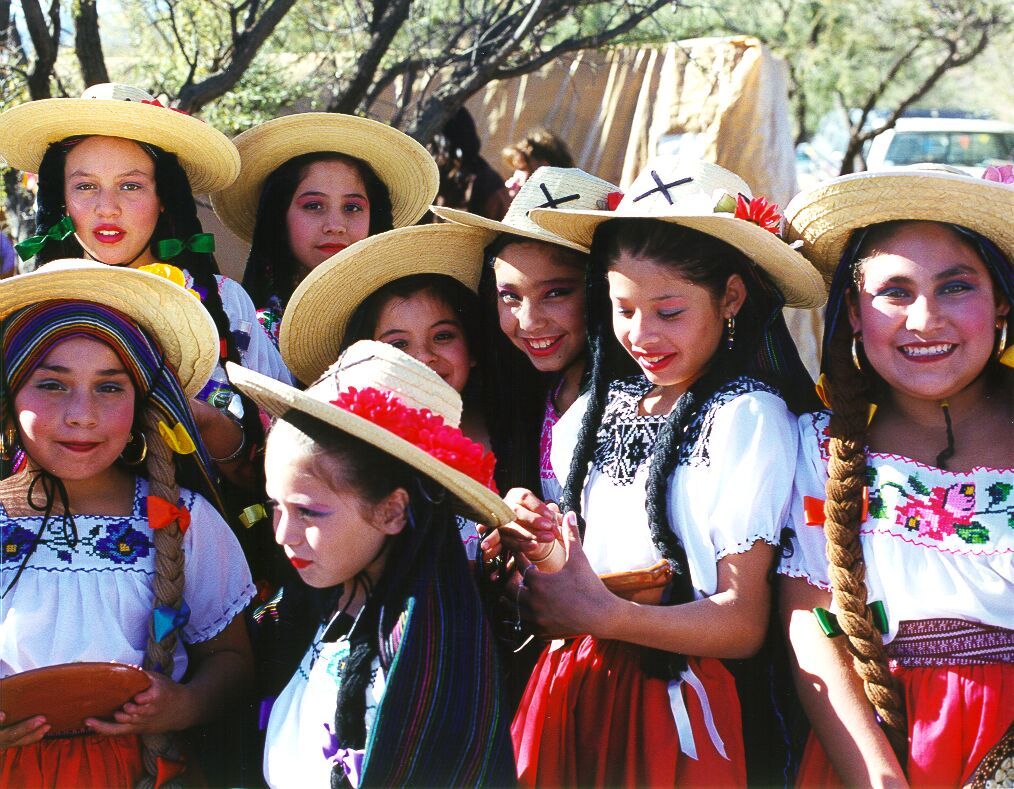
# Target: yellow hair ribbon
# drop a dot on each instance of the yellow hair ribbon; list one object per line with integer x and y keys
{"x": 177, "y": 438}
{"x": 822, "y": 390}
{"x": 870, "y": 413}
{"x": 1007, "y": 357}
{"x": 171, "y": 273}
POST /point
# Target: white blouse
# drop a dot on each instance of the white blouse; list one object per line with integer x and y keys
{"x": 937, "y": 544}
{"x": 731, "y": 486}
{"x": 294, "y": 751}
{"x": 91, "y": 598}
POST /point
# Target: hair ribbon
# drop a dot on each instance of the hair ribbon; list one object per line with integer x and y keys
{"x": 169, "y": 248}
{"x": 177, "y": 438}
{"x": 166, "y": 619}
{"x": 161, "y": 513}
{"x": 33, "y": 245}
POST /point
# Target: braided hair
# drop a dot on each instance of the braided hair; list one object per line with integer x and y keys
{"x": 271, "y": 270}
{"x": 708, "y": 262}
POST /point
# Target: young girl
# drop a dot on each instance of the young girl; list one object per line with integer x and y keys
{"x": 679, "y": 478}
{"x": 533, "y": 289}
{"x": 105, "y": 556}
{"x": 401, "y": 684}
{"x": 311, "y": 185}
{"x": 117, "y": 175}
{"x": 903, "y": 504}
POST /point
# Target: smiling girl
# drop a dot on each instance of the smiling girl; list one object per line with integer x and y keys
{"x": 677, "y": 482}
{"x": 902, "y": 510}
{"x": 313, "y": 184}
{"x": 105, "y": 557}
{"x": 401, "y": 683}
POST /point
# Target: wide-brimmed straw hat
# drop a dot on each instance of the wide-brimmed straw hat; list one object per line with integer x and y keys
{"x": 404, "y": 166}
{"x": 710, "y": 199}
{"x": 110, "y": 109}
{"x": 825, "y": 216}
{"x": 319, "y": 310}
{"x": 548, "y": 188}
{"x": 368, "y": 370}
{"x": 171, "y": 315}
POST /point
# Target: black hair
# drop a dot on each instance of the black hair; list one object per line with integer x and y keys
{"x": 705, "y": 261}
{"x": 271, "y": 270}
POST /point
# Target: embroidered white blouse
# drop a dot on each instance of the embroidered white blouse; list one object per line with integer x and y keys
{"x": 294, "y": 755}
{"x": 937, "y": 544}
{"x": 91, "y": 599}
{"x": 731, "y": 486}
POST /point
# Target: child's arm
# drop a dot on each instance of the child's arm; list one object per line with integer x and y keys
{"x": 223, "y": 667}
{"x": 832, "y": 693}
{"x": 729, "y": 624}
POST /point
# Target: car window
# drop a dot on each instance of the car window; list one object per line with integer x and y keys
{"x": 961, "y": 149}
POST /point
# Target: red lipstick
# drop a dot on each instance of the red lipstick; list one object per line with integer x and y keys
{"x": 79, "y": 446}
{"x": 108, "y": 234}
{"x": 298, "y": 563}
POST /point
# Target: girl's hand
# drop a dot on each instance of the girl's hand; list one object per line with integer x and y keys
{"x": 536, "y": 524}
{"x": 164, "y": 706}
{"x": 567, "y": 602}
{"x": 24, "y": 733}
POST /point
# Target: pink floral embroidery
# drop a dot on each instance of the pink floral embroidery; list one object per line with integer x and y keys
{"x": 941, "y": 513}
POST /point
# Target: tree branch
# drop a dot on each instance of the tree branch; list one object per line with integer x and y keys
{"x": 88, "y": 43}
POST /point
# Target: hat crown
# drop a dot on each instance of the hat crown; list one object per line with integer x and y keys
{"x": 680, "y": 186}
{"x": 117, "y": 91}
{"x": 556, "y": 187}
{"x": 369, "y": 364}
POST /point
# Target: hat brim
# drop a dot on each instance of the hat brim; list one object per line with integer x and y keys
{"x": 460, "y": 217}
{"x": 403, "y": 165}
{"x": 827, "y": 215}
{"x": 209, "y": 159}
{"x": 798, "y": 282}
{"x": 171, "y": 315}
{"x": 318, "y": 313}
{"x": 478, "y": 502}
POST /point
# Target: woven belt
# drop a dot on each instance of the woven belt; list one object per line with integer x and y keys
{"x": 950, "y": 642}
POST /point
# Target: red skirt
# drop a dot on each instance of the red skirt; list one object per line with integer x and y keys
{"x": 955, "y": 716}
{"x": 591, "y": 718}
{"x": 88, "y": 762}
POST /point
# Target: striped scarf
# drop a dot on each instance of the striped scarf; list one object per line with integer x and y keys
{"x": 29, "y": 334}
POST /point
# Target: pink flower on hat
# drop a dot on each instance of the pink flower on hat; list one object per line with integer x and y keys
{"x": 759, "y": 211}
{"x": 1004, "y": 174}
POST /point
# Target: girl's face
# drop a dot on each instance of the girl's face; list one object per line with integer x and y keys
{"x": 328, "y": 212}
{"x": 927, "y": 311}
{"x": 426, "y": 328}
{"x": 540, "y": 302}
{"x": 76, "y": 410}
{"x": 109, "y": 191}
{"x": 669, "y": 325}
{"x": 328, "y": 532}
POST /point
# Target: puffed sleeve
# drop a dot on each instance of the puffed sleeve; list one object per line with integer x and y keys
{"x": 807, "y": 558}
{"x": 217, "y": 583}
{"x": 256, "y": 350}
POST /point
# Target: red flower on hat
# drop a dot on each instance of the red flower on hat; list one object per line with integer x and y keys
{"x": 613, "y": 199}
{"x": 157, "y": 103}
{"x": 759, "y": 211}
{"x": 422, "y": 428}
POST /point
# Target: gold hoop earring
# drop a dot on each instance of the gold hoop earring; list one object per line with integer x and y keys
{"x": 1001, "y": 325}
{"x": 856, "y": 339}
{"x": 142, "y": 453}
{"x": 730, "y": 332}
{"x": 8, "y": 442}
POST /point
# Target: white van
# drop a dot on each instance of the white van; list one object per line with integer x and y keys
{"x": 966, "y": 143}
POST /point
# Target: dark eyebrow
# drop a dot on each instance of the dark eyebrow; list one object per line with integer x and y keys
{"x": 960, "y": 268}
{"x": 121, "y": 175}
{"x": 57, "y": 368}
{"x": 312, "y": 193}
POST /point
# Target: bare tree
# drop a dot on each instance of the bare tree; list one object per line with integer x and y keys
{"x": 88, "y": 43}
{"x": 44, "y": 31}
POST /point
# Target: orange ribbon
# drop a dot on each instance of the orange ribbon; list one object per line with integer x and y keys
{"x": 813, "y": 509}
{"x": 167, "y": 770}
{"x": 161, "y": 513}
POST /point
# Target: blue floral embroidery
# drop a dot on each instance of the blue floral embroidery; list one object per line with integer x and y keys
{"x": 122, "y": 544}
{"x": 16, "y": 542}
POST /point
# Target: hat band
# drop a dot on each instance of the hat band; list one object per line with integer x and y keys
{"x": 423, "y": 429}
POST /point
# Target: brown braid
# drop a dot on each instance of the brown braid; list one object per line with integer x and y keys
{"x": 846, "y": 480}
{"x": 168, "y": 588}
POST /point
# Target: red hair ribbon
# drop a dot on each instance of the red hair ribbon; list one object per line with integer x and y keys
{"x": 161, "y": 513}
{"x": 813, "y": 509}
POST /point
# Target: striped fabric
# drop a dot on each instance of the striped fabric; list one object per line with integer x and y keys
{"x": 29, "y": 334}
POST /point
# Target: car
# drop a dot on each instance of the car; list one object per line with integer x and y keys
{"x": 970, "y": 144}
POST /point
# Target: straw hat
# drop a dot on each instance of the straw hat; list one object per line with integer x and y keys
{"x": 826, "y": 216}
{"x": 110, "y": 109}
{"x": 377, "y": 365}
{"x": 701, "y": 196}
{"x": 403, "y": 165}
{"x": 318, "y": 313}
{"x": 548, "y": 188}
{"x": 173, "y": 316}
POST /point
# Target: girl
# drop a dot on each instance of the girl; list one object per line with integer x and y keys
{"x": 902, "y": 510}
{"x": 105, "y": 556}
{"x": 533, "y": 289}
{"x": 401, "y": 683}
{"x": 117, "y": 175}
{"x": 311, "y": 185}
{"x": 684, "y": 470}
